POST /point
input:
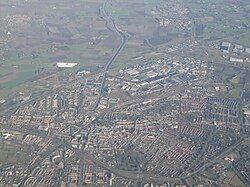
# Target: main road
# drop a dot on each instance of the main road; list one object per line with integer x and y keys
{"x": 124, "y": 38}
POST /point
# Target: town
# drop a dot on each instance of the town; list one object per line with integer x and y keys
{"x": 170, "y": 128}
{"x": 148, "y": 97}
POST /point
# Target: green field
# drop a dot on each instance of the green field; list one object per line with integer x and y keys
{"x": 12, "y": 154}
{"x": 232, "y": 76}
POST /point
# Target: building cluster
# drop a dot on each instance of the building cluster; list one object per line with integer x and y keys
{"x": 235, "y": 52}
{"x": 42, "y": 176}
{"x": 223, "y": 111}
{"x": 173, "y": 14}
{"x": 171, "y": 148}
{"x": 81, "y": 102}
{"x": 157, "y": 75}
{"x": 8, "y": 173}
{"x": 14, "y": 20}
{"x": 219, "y": 111}
{"x": 85, "y": 173}
{"x": 167, "y": 121}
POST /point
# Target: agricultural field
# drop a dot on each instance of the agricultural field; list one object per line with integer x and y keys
{"x": 234, "y": 78}
{"x": 33, "y": 41}
{"x": 213, "y": 21}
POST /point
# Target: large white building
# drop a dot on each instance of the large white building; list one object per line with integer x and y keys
{"x": 66, "y": 64}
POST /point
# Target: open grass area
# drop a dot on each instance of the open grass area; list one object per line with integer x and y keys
{"x": 233, "y": 179}
{"x": 233, "y": 77}
{"x": 210, "y": 174}
{"x": 243, "y": 39}
{"x": 12, "y": 154}
{"x": 21, "y": 78}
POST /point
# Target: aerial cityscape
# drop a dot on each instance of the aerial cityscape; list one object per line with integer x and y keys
{"x": 125, "y": 93}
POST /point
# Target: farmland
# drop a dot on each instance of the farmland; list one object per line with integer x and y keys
{"x": 33, "y": 41}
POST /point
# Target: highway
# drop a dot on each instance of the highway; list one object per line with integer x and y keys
{"x": 124, "y": 38}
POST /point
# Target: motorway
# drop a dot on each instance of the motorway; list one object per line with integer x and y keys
{"x": 124, "y": 38}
